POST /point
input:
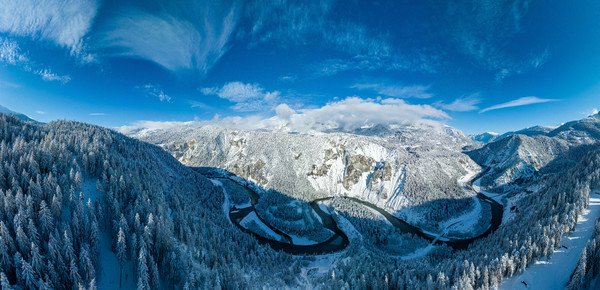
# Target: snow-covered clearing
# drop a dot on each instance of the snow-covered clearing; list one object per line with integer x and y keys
{"x": 348, "y": 228}
{"x": 379, "y": 215}
{"x": 226, "y": 206}
{"x": 419, "y": 252}
{"x": 252, "y": 219}
{"x": 108, "y": 272}
{"x": 465, "y": 223}
{"x": 554, "y": 273}
{"x": 89, "y": 190}
{"x": 303, "y": 241}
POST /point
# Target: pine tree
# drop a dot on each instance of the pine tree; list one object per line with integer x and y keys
{"x": 121, "y": 252}
{"x": 74, "y": 273}
{"x": 36, "y": 259}
{"x": 143, "y": 270}
{"x": 94, "y": 239}
{"x": 22, "y": 241}
{"x": 5, "y": 256}
{"x": 576, "y": 280}
{"x": 28, "y": 275}
{"x": 46, "y": 219}
{"x": 87, "y": 268}
{"x": 4, "y": 284}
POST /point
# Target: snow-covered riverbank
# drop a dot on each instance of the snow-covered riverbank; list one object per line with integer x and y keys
{"x": 554, "y": 273}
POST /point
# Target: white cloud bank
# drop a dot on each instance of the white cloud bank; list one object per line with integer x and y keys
{"x": 518, "y": 102}
{"x": 346, "y": 115}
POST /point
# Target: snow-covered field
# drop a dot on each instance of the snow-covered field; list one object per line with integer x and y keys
{"x": 252, "y": 220}
{"x": 554, "y": 273}
{"x": 299, "y": 240}
{"x": 108, "y": 274}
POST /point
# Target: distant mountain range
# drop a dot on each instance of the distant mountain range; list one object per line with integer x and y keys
{"x": 584, "y": 128}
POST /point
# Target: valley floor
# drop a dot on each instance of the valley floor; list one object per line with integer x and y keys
{"x": 554, "y": 273}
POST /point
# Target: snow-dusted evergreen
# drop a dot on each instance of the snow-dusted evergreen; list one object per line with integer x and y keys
{"x": 163, "y": 220}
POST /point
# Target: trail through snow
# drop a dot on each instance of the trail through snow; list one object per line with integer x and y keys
{"x": 555, "y": 273}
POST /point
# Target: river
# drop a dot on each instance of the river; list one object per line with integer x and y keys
{"x": 339, "y": 240}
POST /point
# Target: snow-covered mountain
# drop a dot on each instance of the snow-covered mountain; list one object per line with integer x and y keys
{"x": 485, "y": 137}
{"x": 581, "y": 131}
{"x": 517, "y": 157}
{"x": 19, "y": 116}
{"x": 488, "y": 137}
{"x": 520, "y": 155}
{"x": 396, "y": 168}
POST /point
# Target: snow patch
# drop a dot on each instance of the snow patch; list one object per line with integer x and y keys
{"x": 109, "y": 268}
{"x": 252, "y": 218}
{"x": 89, "y": 190}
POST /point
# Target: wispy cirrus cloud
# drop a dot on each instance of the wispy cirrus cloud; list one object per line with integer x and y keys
{"x": 182, "y": 36}
{"x": 96, "y": 114}
{"x": 397, "y": 91}
{"x": 48, "y": 75}
{"x": 289, "y": 22}
{"x": 464, "y": 104}
{"x": 11, "y": 54}
{"x": 518, "y": 102}
{"x": 482, "y": 30}
{"x": 247, "y": 97}
{"x": 298, "y": 22}
{"x": 62, "y": 22}
{"x": 155, "y": 91}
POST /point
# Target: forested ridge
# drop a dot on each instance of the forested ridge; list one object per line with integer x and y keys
{"x": 161, "y": 216}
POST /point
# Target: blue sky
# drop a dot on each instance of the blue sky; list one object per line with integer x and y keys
{"x": 475, "y": 65}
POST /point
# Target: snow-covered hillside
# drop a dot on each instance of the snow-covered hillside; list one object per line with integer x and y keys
{"x": 395, "y": 168}
{"x": 518, "y": 156}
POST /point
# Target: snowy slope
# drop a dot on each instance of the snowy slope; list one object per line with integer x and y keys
{"x": 485, "y": 137}
{"x": 394, "y": 167}
{"x": 516, "y": 158}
